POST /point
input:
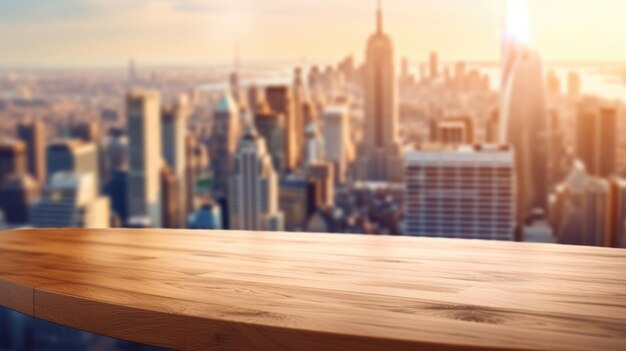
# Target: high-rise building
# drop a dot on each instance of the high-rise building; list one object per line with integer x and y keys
{"x": 256, "y": 99}
{"x": 144, "y": 134}
{"x": 337, "y": 143}
{"x": 309, "y": 112}
{"x": 615, "y": 235}
{"x": 573, "y": 85}
{"x": 452, "y": 130}
{"x": 554, "y": 84}
{"x": 434, "y": 65}
{"x": 280, "y": 99}
{"x": 314, "y": 150}
{"x": 380, "y": 153}
{"x": 223, "y": 144}
{"x": 270, "y": 126}
{"x": 253, "y": 187}
{"x": 236, "y": 92}
{"x": 191, "y": 172}
{"x": 460, "y": 75}
{"x": 12, "y": 158}
{"x": 579, "y": 212}
{"x": 323, "y": 173}
{"x": 116, "y": 189}
{"x": 17, "y": 193}
{"x": 171, "y": 207}
{"x": 314, "y": 78}
{"x": 174, "y": 129}
{"x": 299, "y": 99}
{"x": 73, "y": 155}
{"x": 492, "y": 128}
{"x": 346, "y": 67}
{"x": 114, "y": 153}
{"x": 298, "y": 200}
{"x": 460, "y": 192}
{"x": 33, "y": 134}
{"x": 523, "y": 121}
{"x": 596, "y": 139}
{"x": 70, "y": 200}
{"x": 88, "y": 131}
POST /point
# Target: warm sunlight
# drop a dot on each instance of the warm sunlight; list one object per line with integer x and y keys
{"x": 517, "y": 22}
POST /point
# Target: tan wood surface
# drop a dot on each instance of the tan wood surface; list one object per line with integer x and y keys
{"x": 223, "y": 290}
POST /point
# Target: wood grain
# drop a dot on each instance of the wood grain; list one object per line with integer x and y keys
{"x": 233, "y": 290}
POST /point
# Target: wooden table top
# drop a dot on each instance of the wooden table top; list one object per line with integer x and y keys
{"x": 228, "y": 290}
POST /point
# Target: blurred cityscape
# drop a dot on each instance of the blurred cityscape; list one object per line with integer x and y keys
{"x": 513, "y": 150}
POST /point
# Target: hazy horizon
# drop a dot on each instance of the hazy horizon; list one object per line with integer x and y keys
{"x": 107, "y": 33}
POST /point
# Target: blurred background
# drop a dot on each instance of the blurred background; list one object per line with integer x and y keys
{"x": 483, "y": 119}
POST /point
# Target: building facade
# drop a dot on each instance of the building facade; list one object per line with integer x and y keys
{"x": 70, "y": 200}
{"x": 33, "y": 134}
{"x": 460, "y": 192}
{"x": 253, "y": 187}
{"x": 144, "y": 131}
{"x": 380, "y": 153}
{"x": 223, "y": 144}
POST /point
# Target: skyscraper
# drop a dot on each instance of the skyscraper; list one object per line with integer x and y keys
{"x": 615, "y": 235}
{"x": 596, "y": 139}
{"x": 434, "y": 65}
{"x": 324, "y": 174}
{"x": 314, "y": 150}
{"x": 73, "y": 155}
{"x": 380, "y": 153}
{"x": 298, "y": 200}
{"x": 87, "y": 131}
{"x": 579, "y": 212}
{"x": 116, "y": 189}
{"x": 460, "y": 192}
{"x": 573, "y": 85}
{"x": 453, "y": 130}
{"x": 223, "y": 144}
{"x": 337, "y": 139}
{"x": 17, "y": 193}
{"x": 70, "y": 200}
{"x": 33, "y": 134}
{"x": 191, "y": 172}
{"x": 172, "y": 212}
{"x": 554, "y": 84}
{"x": 270, "y": 126}
{"x": 280, "y": 99}
{"x": 144, "y": 131}
{"x": 253, "y": 187}
{"x": 299, "y": 99}
{"x": 256, "y": 99}
{"x": 492, "y": 129}
{"x": 523, "y": 121}
{"x": 174, "y": 129}
{"x": 235, "y": 86}
{"x": 12, "y": 158}
{"x": 114, "y": 153}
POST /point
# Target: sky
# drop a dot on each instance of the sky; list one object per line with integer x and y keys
{"x": 109, "y": 32}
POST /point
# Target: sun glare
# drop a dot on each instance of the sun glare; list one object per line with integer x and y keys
{"x": 517, "y": 22}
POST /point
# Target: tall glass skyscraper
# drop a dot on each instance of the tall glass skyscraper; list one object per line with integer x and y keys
{"x": 523, "y": 116}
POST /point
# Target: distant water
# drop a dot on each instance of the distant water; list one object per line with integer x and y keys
{"x": 593, "y": 81}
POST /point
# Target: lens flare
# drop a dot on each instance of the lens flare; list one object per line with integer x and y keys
{"x": 517, "y": 22}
